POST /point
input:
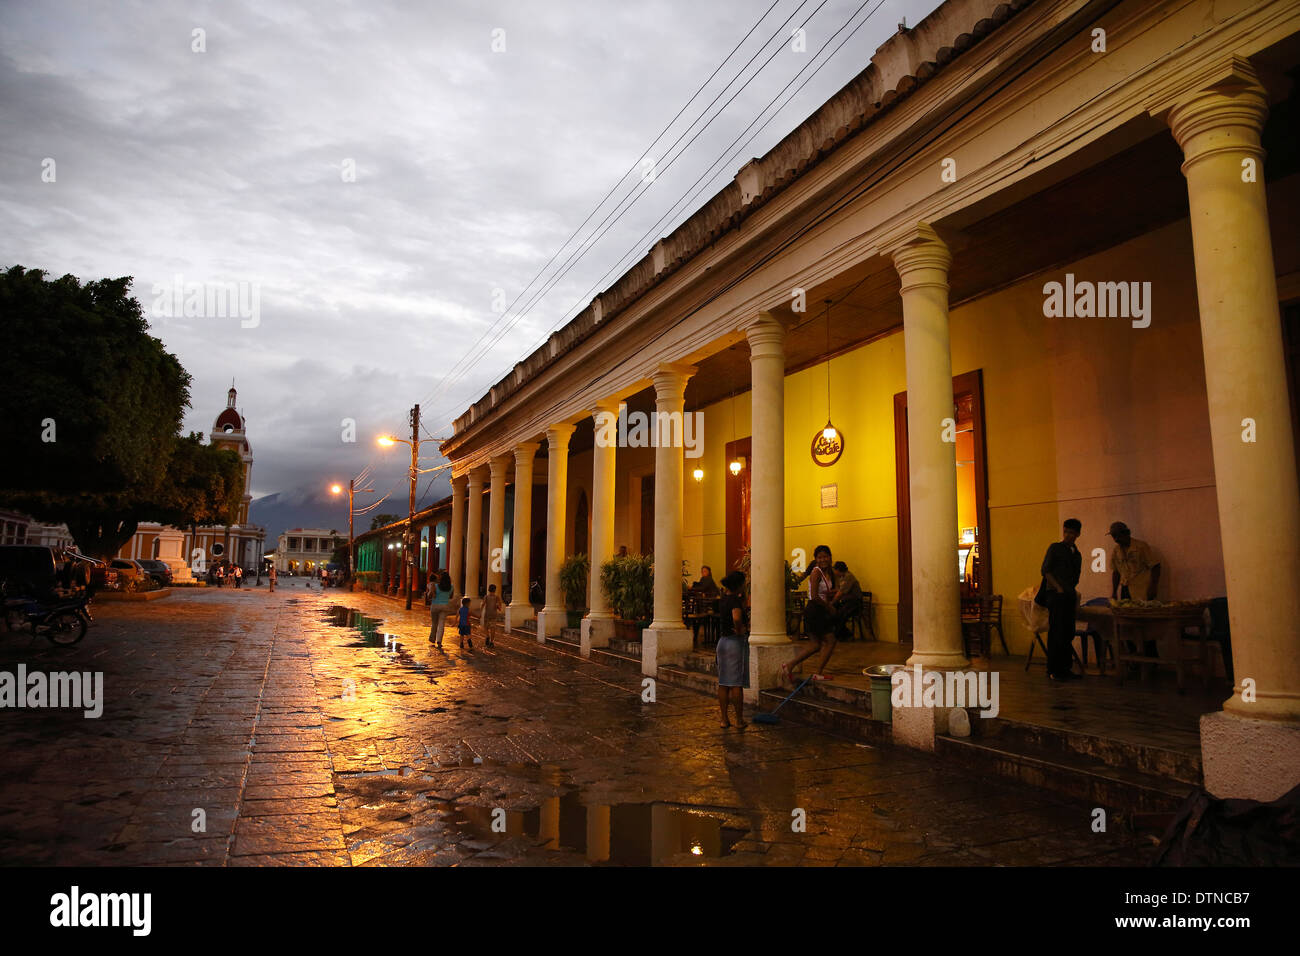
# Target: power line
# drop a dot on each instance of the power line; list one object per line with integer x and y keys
{"x": 480, "y": 347}
{"x": 707, "y": 177}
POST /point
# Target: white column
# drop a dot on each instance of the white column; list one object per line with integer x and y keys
{"x": 473, "y": 536}
{"x": 769, "y": 646}
{"x": 554, "y": 615}
{"x": 521, "y": 538}
{"x": 500, "y": 468}
{"x": 667, "y": 639}
{"x": 598, "y": 624}
{"x": 922, "y": 265}
{"x": 922, "y": 262}
{"x": 1252, "y": 748}
{"x": 456, "y": 540}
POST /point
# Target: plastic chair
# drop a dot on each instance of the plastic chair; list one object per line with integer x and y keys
{"x": 1083, "y": 630}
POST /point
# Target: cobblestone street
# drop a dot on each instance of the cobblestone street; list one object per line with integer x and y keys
{"x": 304, "y": 738}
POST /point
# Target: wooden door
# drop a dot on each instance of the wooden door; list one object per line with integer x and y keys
{"x": 968, "y": 391}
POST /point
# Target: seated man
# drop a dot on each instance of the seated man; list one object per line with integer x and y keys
{"x": 847, "y": 599}
{"x": 706, "y": 585}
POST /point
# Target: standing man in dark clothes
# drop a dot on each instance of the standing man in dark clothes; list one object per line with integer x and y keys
{"x": 1062, "y": 566}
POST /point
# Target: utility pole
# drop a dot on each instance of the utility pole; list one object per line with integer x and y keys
{"x": 411, "y": 549}
{"x": 352, "y": 570}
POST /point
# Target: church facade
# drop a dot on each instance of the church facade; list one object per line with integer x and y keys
{"x": 190, "y": 553}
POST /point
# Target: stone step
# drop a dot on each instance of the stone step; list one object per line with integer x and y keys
{"x": 1006, "y": 733}
{"x": 845, "y": 721}
{"x": 1076, "y": 775}
{"x": 693, "y": 680}
{"x": 572, "y": 635}
{"x": 626, "y": 648}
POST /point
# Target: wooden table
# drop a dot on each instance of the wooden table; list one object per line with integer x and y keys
{"x": 1121, "y": 626}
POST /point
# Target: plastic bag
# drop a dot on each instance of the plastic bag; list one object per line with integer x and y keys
{"x": 1034, "y": 615}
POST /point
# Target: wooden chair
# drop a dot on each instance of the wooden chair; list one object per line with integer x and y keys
{"x": 860, "y": 625}
{"x": 980, "y": 616}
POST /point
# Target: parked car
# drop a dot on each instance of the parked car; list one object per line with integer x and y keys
{"x": 103, "y": 577}
{"x": 160, "y": 571}
{"x": 36, "y": 569}
{"x": 129, "y": 572}
{"x": 27, "y": 569}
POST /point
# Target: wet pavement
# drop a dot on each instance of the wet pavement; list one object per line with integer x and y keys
{"x": 307, "y": 727}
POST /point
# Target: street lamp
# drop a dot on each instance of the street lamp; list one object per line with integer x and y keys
{"x": 338, "y": 489}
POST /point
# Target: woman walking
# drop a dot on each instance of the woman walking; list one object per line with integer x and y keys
{"x": 818, "y": 616}
{"x": 733, "y": 649}
{"x": 272, "y": 576}
{"x": 439, "y": 608}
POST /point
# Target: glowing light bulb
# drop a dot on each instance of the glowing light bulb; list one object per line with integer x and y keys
{"x": 829, "y": 433}
{"x": 699, "y": 474}
{"x": 736, "y": 466}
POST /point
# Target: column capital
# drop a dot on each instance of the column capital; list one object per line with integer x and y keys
{"x": 525, "y": 452}
{"x": 499, "y": 466}
{"x": 477, "y": 477}
{"x": 458, "y": 483}
{"x": 608, "y": 406}
{"x": 921, "y": 258}
{"x": 557, "y": 436}
{"x": 766, "y": 336}
{"x": 670, "y": 380}
{"x": 1225, "y": 113}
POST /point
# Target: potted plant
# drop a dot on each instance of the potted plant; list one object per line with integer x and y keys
{"x": 628, "y": 583}
{"x": 574, "y": 573}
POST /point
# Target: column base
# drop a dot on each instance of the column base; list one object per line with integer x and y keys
{"x": 550, "y": 622}
{"x": 517, "y": 614}
{"x": 918, "y": 726}
{"x": 596, "y": 632}
{"x": 664, "y": 645}
{"x": 1247, "y": 758}
{"x": 765, "y": 662}
{"x": 939, "y": 660}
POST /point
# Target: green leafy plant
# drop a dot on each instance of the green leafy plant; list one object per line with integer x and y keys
{"x": 574, "y": 573}
{"x": 628, "y": 584}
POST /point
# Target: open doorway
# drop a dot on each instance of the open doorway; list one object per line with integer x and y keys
{"x": 738, "y": 488}
{"x": 972, "y": 550}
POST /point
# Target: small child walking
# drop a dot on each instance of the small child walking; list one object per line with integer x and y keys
{"x": 491, "y": 612}
{"x": 463, "y": 623}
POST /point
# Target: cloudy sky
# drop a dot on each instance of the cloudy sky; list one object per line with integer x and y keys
{"x": 376, "y": 177}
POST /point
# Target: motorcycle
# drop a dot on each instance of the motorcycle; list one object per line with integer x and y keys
{"x": 62, "y": 621}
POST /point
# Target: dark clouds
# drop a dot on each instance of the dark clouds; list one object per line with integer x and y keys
{"x": 471, "y": 168}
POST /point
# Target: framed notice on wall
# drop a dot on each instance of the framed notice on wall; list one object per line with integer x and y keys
{"x": 830, "y": 496}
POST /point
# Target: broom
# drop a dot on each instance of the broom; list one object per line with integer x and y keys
{"x": 772, "y": 718}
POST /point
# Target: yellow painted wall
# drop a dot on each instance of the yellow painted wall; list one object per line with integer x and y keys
{"x": 1087, "y": 418}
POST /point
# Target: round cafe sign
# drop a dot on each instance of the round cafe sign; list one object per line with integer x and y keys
{"x": 827, "y": 452}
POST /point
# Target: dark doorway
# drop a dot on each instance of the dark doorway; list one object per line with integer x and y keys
{"x": 1291, "y": 349}
{"x": 648, "y": 514}
{"x": 972, "y": 554}
{"x": 581, "y": 524}
{"x": 738, "y": 485}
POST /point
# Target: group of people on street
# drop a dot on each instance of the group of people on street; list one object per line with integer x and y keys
{"x": 223, "y": 574}
{"x": 438, "y": 595}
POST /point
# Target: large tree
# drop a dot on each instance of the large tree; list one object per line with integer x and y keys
{"x": 92, "y": 413}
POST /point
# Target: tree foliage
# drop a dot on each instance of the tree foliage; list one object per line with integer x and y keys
{"x": 93, "y": 407}
{"x": 378, "y": 521}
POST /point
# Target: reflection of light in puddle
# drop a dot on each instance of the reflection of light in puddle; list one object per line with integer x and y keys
{"x": 646, "y": 834}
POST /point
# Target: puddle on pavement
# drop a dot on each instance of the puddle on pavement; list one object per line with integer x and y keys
{"x": 628, "y": 834}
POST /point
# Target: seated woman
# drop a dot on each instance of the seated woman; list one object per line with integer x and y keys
{"x": 818, "y": 616}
